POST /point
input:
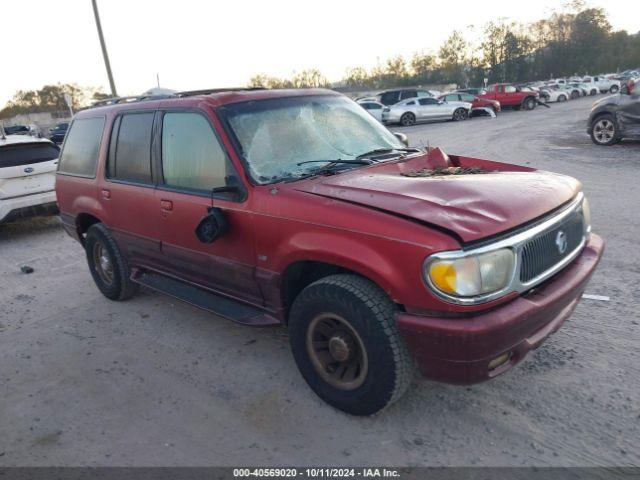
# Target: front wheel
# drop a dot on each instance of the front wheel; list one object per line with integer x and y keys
{"x": 604, "y": 131}
{"x": 575, "y": 95}
{"x": 407, "y": 119}
{"x": 614, "y": 89}
{"x": 562, "y": 98}
{"x": 593, "y": 92}
{"x": 460, "y": 114}
{"x": 346, "y": 344}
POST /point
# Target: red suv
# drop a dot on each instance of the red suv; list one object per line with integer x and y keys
{"x": 296, "y": 207}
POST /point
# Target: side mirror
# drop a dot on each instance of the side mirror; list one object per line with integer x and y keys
{"x": 212, "y": 226}
{"x": 403, "y": 138}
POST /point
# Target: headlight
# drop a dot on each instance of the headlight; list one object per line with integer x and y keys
{"x": 586, "y": 214}
{"x": 459, "y": 275}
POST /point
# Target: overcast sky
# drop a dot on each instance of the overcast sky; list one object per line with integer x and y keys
{"x": 204, "y": 44}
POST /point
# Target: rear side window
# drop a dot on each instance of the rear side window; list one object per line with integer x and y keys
{"x": 16, "y": 155}
{"x": 81, "y": 147}
{"x": 408, "y": 94}
{"x": 130, "y": 149}
{"x": 192, "y": 157}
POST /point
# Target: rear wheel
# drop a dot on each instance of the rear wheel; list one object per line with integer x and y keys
{"x": 407, "y": 119}
{"x": 604, "y": 131}
{"x": 562, "y": 98}
{"x": 593, "y": 92}
{"x": 460, "y": 114}
{"x": 575, "y": 94}
{"x": 107, "y": 265}
{"x": 346, "y": 344}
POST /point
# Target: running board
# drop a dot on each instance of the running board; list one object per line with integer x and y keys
{"x": 209, "y": 301}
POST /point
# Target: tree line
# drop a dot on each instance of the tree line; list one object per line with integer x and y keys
{"x": 576, "y": 42}
{"x": 50, "y": 98}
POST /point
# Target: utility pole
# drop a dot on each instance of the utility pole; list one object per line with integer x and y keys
{"x": 104, "y": 49}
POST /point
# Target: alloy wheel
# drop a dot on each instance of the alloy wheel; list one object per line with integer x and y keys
{"x": 604, "y": 130}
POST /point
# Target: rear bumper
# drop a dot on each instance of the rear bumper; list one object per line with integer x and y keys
{"x": 28, "y": 206}
{"x": 459, "y": 350}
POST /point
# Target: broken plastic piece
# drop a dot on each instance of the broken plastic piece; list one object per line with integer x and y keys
{"x": 602, "y": 298}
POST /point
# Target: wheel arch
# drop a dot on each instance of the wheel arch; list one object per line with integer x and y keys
{"x": 84, "y": 221}
{"x": 301, "y": 273}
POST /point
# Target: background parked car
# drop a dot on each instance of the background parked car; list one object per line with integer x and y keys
{"x": 602, "y": 83}
{"x": 551, "y": 94}
{"x": 512, "y": 96}
{"x": 408, "y": 112}
{"x": 478, "y": 105}
{"x": 373, "y": 107}
{"x": 615, "y": 117}
{"x": 16, "y": 130}
{"x": 58, "y": 132}
{"x": 391, "y": 97}
{"x": 27, "y": 176}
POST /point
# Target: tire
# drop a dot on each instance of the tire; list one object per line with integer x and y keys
{"x": 407, "y": 119}
{"x": 107, "y": 265}
{"x": 460, "y": 114}
{"x": 614, "y": 89}
{"x": 593, "y": 92}
{"x": 604, "y": 131}
{"x": 562, "y": 98}
{"x": 529, "y": 103}
{"x": 575, "y": 95}
{"x": 363, "y": 322}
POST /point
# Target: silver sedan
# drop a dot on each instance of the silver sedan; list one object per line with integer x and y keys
{"x": 412, "y": 110}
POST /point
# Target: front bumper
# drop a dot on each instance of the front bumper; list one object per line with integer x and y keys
{"x": 459, "y": 350}
{"x": 28, "y": 206}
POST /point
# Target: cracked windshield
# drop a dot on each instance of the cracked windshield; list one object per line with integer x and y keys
{"x": 278, "y": 136}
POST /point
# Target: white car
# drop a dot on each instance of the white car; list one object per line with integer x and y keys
{"x": 601, "y": 84}
{"x": 554, "y": 95}
{"x": 27, "y": 176}
{"x": 373, "y": 107}
{"x": 425, "y": 109}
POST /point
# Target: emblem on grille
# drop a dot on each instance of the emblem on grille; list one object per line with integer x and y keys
{"x": 561, "y": 241}
{"x": 28, "y": 170}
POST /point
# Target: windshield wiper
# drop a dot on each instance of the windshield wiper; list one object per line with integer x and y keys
{"x": 379, "y": 151}
{"x": 357, "y": 161}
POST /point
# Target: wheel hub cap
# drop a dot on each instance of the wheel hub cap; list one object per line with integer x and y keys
{"x": 340, "y": 347}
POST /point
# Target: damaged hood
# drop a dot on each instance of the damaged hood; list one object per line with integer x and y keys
{"x": 469, "y": 206}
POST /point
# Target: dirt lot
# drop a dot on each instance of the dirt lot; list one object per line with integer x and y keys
{"x": 86, "y": 381}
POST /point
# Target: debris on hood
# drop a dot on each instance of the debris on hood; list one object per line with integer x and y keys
{"x": 439, "y": 171}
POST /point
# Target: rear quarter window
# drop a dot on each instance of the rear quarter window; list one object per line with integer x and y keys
{"x": 25, "y": 154}
{"x": 130, "y": 149}
{"x": 81, "y": 147}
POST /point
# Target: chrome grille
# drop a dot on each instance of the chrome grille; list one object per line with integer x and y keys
{"x": 543, "y": 252}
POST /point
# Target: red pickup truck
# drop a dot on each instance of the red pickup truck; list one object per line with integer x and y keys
{"x": 297, "y": 207}
{"x": 512, "y": 96}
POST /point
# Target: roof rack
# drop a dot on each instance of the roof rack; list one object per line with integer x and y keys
{"x": 209, "y": 91}
{"x": 132, "y": 99}
{"x": 188, "y": 93}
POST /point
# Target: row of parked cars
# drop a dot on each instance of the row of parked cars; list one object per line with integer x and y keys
{"x": 56, "y": 133}
{"x": 411, "y": 105}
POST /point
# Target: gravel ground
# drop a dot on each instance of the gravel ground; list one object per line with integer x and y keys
{"x": 154, "y": 382}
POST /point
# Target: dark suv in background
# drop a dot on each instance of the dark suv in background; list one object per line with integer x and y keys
{"x": 391, "y": 97}
{"x": 615, "y": 117}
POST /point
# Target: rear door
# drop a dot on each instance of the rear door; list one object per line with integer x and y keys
{"x": 27, "y": 168}
{"x": 191, "y": 163}
{"x": 127, "y": 194}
